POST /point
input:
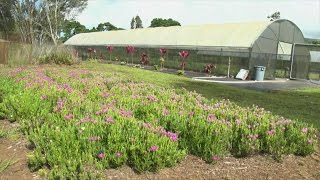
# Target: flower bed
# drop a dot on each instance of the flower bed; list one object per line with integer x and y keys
{"x": 81, "y": 121}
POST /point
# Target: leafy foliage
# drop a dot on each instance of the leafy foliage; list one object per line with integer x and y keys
{"x": 159, "y": 22}
{"x": 274, "y": 16}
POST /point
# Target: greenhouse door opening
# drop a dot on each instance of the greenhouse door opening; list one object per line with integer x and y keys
{"x": 305, "y": 62}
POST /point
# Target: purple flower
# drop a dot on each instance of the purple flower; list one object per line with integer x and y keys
{"x": 101, "y": 155}
{"x": 154, "y": 148}
{"x": 215, "y": 157}
{"x": 173, "y": 136}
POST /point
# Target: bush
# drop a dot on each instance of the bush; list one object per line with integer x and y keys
{"x": 156, "y": 67}
{"x": 58, "y": 57}
{"x": 180, "y": 73}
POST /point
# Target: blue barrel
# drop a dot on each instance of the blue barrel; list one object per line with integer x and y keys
{"x": 260, "y": 70}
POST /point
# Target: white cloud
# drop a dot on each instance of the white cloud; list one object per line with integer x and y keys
{"x": 305, "y": 13}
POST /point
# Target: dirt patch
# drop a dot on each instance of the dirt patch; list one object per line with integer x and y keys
{"x": 14, "y": 149}
{"x": 256, "y": 167}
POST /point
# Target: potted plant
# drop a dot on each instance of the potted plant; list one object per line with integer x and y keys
{"x": 130, "y": 51}
{"x": 183, "y": 55}
{"x": 163, "y": 52}
{"x": 110, "y": 49}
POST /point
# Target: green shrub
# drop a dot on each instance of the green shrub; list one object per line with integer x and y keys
{"x": 60, "y": 57}
{"x": 156, "y": 67}
{"x": 180, "y": 73}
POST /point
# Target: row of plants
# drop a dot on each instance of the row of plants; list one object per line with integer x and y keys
{"x": 176, "y": 60}
{"x": 81, "y": 122}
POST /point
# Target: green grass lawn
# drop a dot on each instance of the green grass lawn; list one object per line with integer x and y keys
{"x": 302, "y": 104}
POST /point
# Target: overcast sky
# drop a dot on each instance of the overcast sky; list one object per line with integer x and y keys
{"x": 305, "y": 13}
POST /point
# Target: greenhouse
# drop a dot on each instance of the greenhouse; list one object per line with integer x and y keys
{"x": 230, "y": 47}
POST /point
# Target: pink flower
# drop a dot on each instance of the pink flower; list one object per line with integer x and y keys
{"x": 109, "y": 120}
{"x": 118, "y": 154}
{"x": 44, "y": 97}
{"x": 305, "y": 130}
{"x": 191, "y": 113}
{"x": 93, "y": 138}
{"x": 152, "y": 98}
{"x": 210, "y": 120}
{"x": 238, "y": 122}
{"x": 154, "y": 148}
{"x": 147, "y": 125}
{"x": 165, "y": 112}
{"x": 215, "y": 157}
{"x": 110, "y": 48}
{"x": 310, "y": 141}
{"x": 184, "y": 54}
{"x": 271, "y": 132}
{"x": 101, "y": 155}
{"x": 130, "y": 49}
{"x": 68, "y": 117}
{"x": 173, "y": 136}
{"x": 163, "y": 51}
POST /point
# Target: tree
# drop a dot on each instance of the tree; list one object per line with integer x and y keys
{"x": 71, "y": 28}
{"x": 138, "y": 22}
{"x": 133, "y": 23}
{"x": 159, "y": 22}
{"x": 57, "y": 11}
{"x": 6, "y": 19}
{"x": 39, "y": 20}
{"x": 107, "y": 26}
{"x": 274, "y": 16}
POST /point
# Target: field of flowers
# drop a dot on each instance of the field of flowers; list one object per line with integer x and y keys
{"x": 80, "y": 122}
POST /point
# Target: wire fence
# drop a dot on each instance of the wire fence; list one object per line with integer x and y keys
{"x": 306, "y": 62}
{"x": 226, "y": 62}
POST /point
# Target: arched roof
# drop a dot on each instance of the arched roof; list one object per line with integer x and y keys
{"x": 238, "y": 35}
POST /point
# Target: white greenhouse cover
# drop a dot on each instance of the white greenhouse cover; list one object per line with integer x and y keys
{"x": 241, "y": 35}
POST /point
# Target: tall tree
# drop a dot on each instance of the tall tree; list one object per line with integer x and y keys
{"x": 138, "y": 22}
{"x": 133, "y": 23}
{"x": 159, "y": 22}
{"x": 45, "y": 18}
{"x": 71, "y": 28}
{"x": 6, "y": 18}
{"x": 274, "y": 16}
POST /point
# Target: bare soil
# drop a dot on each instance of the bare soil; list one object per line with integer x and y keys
{"x": 14, "y": 149}
{"x": 255, "y": 167}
